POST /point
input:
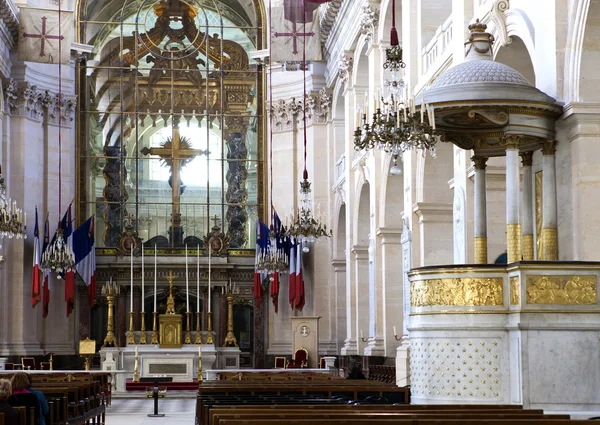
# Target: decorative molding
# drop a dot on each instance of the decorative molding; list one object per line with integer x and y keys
{"x": 328, "y": 16}
{"x": 369, "y": 22}
{"x": 287, "y": 114}
{"x": 498, "y": 17}
{"x": 8, "y": 15}
{"x": 515, "y": 290}
{"x": 345, "y": 68}
{"x": 472, "y": 291}
{"x": 24, "y": 99}
{"x": 562, "y": 290}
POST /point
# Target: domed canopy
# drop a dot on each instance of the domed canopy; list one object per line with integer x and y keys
{"x": 480, "y": 101}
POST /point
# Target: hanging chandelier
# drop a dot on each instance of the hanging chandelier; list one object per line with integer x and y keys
{"x": 13, "y": 222}
{"x": 304, "y": 226}
{"x": 396, "y": 126}
{"x": 59, "y": 256}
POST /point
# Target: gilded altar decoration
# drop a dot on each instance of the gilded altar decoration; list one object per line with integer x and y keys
{"x": 129, "y": 239}
{"x": 471, "y": 291}
{"x": 514, "y": 290}
{"x": 217, "y": 240}
{"x": 562, "y": 290}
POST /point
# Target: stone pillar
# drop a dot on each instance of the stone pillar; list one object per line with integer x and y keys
{"x": 361, "y": 290}
{"x": 391, "y": 253}
{"x": 549, "y": 205}
{"x": 480, "y": 222}
{"x": 513, "y": 225}
{"x": 527, "y": 207}
{"x": 343, "y": 326}
{"x": 83, "y": 312}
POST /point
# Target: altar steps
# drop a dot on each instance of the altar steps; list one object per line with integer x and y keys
{"x": 170, "y": 386}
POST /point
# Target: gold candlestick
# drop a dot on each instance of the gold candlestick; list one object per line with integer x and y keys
{"x": 131, "y": 337}
{"x": 230, "y": 340}
{"x": 198, "y": 335}
{"x": 154, "y": 332}
{"x": 209, "y": 336}
{"x": 110, "y": 290}
{"x": 199, "y": 364}
{"x": 143, "y": 339}
{"x": 52, "y": 360}
{"x": 188, "y": 335}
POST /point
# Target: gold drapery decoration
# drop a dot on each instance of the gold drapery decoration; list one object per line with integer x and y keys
{"x": 539, "y": 214}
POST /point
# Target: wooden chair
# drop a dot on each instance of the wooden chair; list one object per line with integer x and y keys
{"x": 28, "y": 363}
{"x": 9, "y": 366}
{"x": 279, "y": 362}
{"x": 44, "y": 365}
{"x": 300, "y": 359}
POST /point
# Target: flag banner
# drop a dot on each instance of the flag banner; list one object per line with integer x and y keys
{"x": 262, "y": 238}
{"x": 295, "y": 34}
{"x": 69, "y": 276}
{"x": 41, "y": 32}
{"x": 299, "y": 290}
{"x": 37, "y": 261}
{"x": 46, "y": 284}
{"x": 85, "y": 256}
{"x": 275, "y": 291}
{"x": 292, "y": 276}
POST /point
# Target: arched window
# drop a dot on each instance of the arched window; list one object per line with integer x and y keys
{"x": 171, "y": 124}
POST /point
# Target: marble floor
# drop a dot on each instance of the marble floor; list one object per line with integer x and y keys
{"x": 134, "y": 411}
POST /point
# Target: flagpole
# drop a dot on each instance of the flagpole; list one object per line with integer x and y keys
{"x": 143, "y": 323}
{"x": 198, "y": 335}
{"x": 131, "y": 337}
{"x": 154, "y": 313}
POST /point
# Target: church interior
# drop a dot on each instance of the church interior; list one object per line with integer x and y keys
{"x": 293, "y": 202}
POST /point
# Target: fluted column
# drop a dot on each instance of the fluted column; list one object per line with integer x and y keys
{"x": 527, "y": 208}
{"x": 481, "y": 256}
{"x": 513, "y": 225}
{"x": 549, "y": 216}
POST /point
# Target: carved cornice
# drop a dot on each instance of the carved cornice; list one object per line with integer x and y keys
{"x": 498, "y": 17}
{"x": 369, "y": 22}
{"x": 24, "y": 99}
{"x": 288, "y": 113}
{"x": 328, "y": 15}
{"x": 8, "y": 15}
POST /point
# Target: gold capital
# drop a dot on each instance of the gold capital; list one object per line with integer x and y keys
{"x": 512, "y": 142}
{"x": 480, "y": 162}
{"x": 548, "y": 147}
{"x": 526, "y": 159}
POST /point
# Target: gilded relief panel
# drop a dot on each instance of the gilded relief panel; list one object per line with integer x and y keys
{"x": 514, "y": 290}
{"x": 562, "y": 290}
{"x": 456, "y": 292}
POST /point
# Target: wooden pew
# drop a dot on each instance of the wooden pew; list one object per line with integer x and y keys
{"x": 395, "y": 421}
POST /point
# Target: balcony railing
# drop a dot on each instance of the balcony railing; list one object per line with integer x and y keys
{"x": 437, "y": 46}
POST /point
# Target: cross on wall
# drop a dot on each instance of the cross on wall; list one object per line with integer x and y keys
{"x": 43, "y": 36}
{"x": 295, "y": 35}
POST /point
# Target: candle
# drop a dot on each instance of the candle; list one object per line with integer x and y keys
{"x": 187, "y": 282}
{"x": 395, "y": 331}
{"x": 142, "y": 278}
{"x": 200, "y": 351}
{"x": 25, "y": 220}
{"x": 155, "y": 277}
{"x": 361, "y": 334}
{"x": 209, "y": 276}
{"x": 198, "y": 280}
{"x": 156, "y": 218}
{"x": 131, "y": 273}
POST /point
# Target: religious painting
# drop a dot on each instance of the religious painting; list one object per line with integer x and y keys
{"x": 171, "y": 123}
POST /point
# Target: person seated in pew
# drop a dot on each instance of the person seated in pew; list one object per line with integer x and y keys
{"x": 11, "y": 415}
{"x": 44, "y": 408}
{"x": 356, "y": 373}
{"x": 21, "y": 396}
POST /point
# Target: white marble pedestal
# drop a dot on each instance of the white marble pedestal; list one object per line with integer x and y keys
{"x": 229, "y": 357}
{"x": 3, "y": 361}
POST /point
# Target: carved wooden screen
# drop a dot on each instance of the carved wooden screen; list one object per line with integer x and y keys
{"x": 170, "y": 129}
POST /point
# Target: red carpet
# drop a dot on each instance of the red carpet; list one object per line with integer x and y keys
{"x": 170, "y": 386}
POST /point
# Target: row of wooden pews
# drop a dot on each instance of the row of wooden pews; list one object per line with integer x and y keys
{"x": 364, "y": 414}
{"x": 74, "y": 398}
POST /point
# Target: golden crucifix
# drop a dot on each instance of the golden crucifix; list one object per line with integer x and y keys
{"x": 170, "y": 299}
{"x": 175, "y": 153}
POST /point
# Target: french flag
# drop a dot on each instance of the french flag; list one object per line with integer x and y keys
{"x": 299, "y": 290}
{"x": 37, "y": 257}
{"x": 292, "y": 276}
{"x": 85, "y": 256}
{"x": 46, "y": 285}
{"x": 67, "y": 226}
{"x": 262, "y": 238}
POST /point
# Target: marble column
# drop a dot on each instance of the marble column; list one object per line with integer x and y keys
{"x": 513, "y": 225}
{"x": 549, "y": 205}
{"x": 343, "y": 326}
{"x": 237, "y": 193}
{"x": 480, "y": 222}
{"x": 527, "y": 207}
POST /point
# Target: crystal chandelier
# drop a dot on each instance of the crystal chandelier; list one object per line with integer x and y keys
{"x": 304, "y": 226}
{"x": 13, "y": 222}
{"x": 396, "y": 126}
{"x": 59, "y": 256}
